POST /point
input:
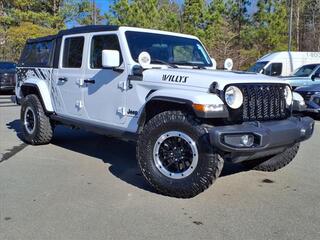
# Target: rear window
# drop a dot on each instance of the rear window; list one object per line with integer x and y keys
{"x": 37, "y": 54}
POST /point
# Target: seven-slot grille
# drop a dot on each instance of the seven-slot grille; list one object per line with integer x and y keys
{"x": 262, "y": 102}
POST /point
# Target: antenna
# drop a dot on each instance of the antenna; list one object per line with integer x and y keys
{"x": 290, "y": 27}
{"x": 94, "y": 13}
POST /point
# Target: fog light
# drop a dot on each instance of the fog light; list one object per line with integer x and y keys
{"x": 240, "y": 140}
{"x": 247, "y": 140}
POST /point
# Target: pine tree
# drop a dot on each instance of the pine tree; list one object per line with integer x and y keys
{"x": 193, "y": 18}
{"x": 163, "y": 15}
{"x": 271, "y": 23}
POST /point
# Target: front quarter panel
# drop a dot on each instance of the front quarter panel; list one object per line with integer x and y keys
{"x": 194, "y": 97}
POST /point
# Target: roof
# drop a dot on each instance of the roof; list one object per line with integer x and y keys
{"x": 42, "y": 39}
{"x": 291, "y": 54}
{"x": 311, "y": 64}
{"x": 103, "y": 28}
{"x": 155, "y": 31}
{"x": 76, "y": 30}
{"x": 87, "y": 29}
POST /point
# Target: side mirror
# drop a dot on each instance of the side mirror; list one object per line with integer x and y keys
{"x": 314, "y": 76}
{"x": 110, "y": 58}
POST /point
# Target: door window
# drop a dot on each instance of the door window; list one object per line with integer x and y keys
{"x": 274, "y": 69}
{"x": 72, "y": 52}
{"x": 102, "y": 42}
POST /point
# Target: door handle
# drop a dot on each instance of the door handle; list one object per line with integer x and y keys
{"x": 92, "y": 81}
{"x": 63, "y": 79}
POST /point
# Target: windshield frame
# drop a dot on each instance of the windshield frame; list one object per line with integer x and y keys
{"x": 207, "y": 63}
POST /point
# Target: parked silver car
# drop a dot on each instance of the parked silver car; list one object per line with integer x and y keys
{"x": 305, "y": 75}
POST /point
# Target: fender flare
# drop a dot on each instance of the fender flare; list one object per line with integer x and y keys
{"x": 43, "y": 91}
{"x": 188, "y": 98}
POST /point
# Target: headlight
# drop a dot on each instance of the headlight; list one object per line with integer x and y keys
{"x": 288, "y": 95}
{"x": 233, "y": 97}
{"x": 297, "y": 98}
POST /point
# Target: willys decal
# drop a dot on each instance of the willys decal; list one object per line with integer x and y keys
{"x": 174, "y": 78}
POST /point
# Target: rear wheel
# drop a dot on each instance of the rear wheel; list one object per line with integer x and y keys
{"x": 271, "y": 164}
{"x": 175, "y": 157}
{"x": 36, "y": 126}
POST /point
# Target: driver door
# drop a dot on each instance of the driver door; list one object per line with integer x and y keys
{"x": 104, "y": 92}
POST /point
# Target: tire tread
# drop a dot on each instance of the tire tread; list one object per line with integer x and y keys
{"x": 276, "y": 162}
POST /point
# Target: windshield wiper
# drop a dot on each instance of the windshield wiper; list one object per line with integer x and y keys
{"x": 198, "y": 67}
{"x": 164, "y": 62}
{"x": 194, "y": 66}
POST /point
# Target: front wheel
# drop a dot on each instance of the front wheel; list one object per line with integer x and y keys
{"x": 175, "y": 157}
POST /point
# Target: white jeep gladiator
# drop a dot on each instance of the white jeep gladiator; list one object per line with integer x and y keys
{"x": 159, "y": 89}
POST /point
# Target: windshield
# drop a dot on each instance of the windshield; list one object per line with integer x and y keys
{"x": 168, "y": 49}
{"x": 257, "y": 67}
{"x": 7, "y": 65}
{"x": 305, "y": 71}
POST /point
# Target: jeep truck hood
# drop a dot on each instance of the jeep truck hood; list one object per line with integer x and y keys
{"x": 200, "y": 78}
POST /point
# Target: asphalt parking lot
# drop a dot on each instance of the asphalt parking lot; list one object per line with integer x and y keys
{"x": 86, "y": 186}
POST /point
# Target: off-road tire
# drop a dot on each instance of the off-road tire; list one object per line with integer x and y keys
{"x": 209, "y": 164}
{"x": 271, "y": 164}
{"x": 43, "y": 131}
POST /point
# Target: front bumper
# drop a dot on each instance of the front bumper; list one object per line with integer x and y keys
{"x": 269, "y": 137}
